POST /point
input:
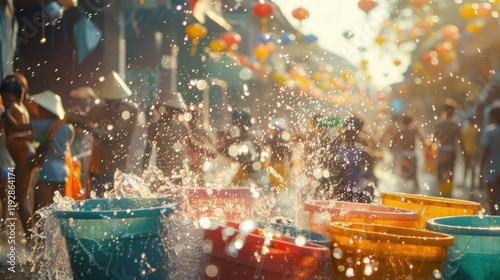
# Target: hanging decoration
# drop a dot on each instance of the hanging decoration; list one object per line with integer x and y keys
{"x": 287, "y": 38}
{"x": 263, "y": 10}
{"x": 300, "y": 14}
{"x": 266, "y": 38}
{"x": 217, "y": 45}
{"x": 195, "y": 31}
{"x": 310, "y": 38}
{"x": 450, "y": 33}
{"x": 419, "y": 3}
{"x": 348, "y": 35}
{"x": 367, "y": 5}
{"x": 87, "y": 37}
{"x": 231, "y": 38}
{"x": 261, "y": 52}
{"x": 68, "y": 3}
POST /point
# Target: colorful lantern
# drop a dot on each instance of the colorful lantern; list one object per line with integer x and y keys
{"x": 261, "y": 52}
{"x": 195, "y": 31}
{"x": 450, "y": 33}
{"x": 475, "y": 26}
{"x": 300, "y": 14}
{"x": 367, "y": 5}
{"x": 217, "y": 45}
{"x": 231, "y": 38}
{"x": 263, "y": 11}
{"x": 468, "y": 10}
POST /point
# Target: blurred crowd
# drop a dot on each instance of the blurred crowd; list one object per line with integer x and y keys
{"x": 41, "y": 146}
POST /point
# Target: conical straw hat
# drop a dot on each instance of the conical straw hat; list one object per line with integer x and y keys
{"x": 50, "y": 101}
{"x": 172, "y": 100}
{"x": 83, "y": 93}
{"x": 113, "y": 87}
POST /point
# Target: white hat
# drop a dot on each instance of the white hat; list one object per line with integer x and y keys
{"x": 173, "y": 100}
{"x": 83, "y": 93}
{"x": 50, "y": 101}
{"x": 113, "y": 87}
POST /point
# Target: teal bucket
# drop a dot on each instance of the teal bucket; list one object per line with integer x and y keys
{"x": 116, "y": 238}
{"x": 476, "y": 254}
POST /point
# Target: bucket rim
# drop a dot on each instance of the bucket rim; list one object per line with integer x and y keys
{"x": 359, "y": 209}
{"x": 168, "y": 207}
{"x": 398, "y": 235}
{"x": 438, "y": 225}
{"x": 433, "y": 200}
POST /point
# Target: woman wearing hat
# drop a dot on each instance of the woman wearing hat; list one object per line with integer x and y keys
{"x": 52, "y": 128}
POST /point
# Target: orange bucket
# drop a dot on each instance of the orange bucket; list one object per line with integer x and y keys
{"x": 322, "y": 213}
{"x": 363, "y": 251}
{"x": 236, "y": 251}
{"x": 429, "y": 207}
{"x": 232, "y": 204}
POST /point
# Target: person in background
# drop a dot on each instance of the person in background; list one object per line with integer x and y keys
{"x": 471, "y": 135}
{"x": 53, "y": 171}
{"x": 6, "y": 165}
{"x": 490, "y": 160}
{"x": 16, "y": 123}
{"x": 405, "y": 150}
{"x": 447, "y": 133}
{"x": 169, "y": 137}
{"x": 239, "y": 144}
{"x": 280, "y": 153}
{"x": 112, "y": 122}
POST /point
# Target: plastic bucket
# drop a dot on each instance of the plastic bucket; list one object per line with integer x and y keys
{"x": 363, "y": 251}
{"x": 294, "y": 232}
{"x": 429, "y": 207}
{"x": 322, "y": 213}
{"x": 236, "y": 251}
{"x": 476, "y": 254}
{"x": 116, "y": 238}
{"x": 232, "y": 204}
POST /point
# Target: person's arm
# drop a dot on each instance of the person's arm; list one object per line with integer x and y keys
{"x": 13, "y": 124}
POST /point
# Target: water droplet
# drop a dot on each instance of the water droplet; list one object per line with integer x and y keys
{"x": 211, "y": 270}
{"x": 337, "y": 253}
{"x": 437, "y": 274}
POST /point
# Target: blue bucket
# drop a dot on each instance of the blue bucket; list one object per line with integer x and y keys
{"x": 293, "y": 232}
{"x": 476, "y": 254}
{"x": 116, "y": 238}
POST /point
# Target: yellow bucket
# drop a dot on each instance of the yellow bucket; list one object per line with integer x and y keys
{"x": 429, "y": 207}
{"x": 367, "y": 251}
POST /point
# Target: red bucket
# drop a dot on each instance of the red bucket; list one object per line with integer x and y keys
{"x": 236, "y": 253}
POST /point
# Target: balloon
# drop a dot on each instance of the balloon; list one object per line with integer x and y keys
{"x": 475, "y": 26}
{"x": 287, "y": 38}
{"x": 300, "y": 13}
{"x": 450, "y": 32}
{"x": 468, "y": 10}
{"x": 348, "y": 35}
{"x": 263, "y": 9}
{"x": 217, "y": 45}
{"x": 231, "y": 38}
{"x": 309, "y": 38}
{"x": 367, "y": 5}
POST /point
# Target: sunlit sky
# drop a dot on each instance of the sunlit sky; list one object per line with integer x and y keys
{"x": 329, "y": 19}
